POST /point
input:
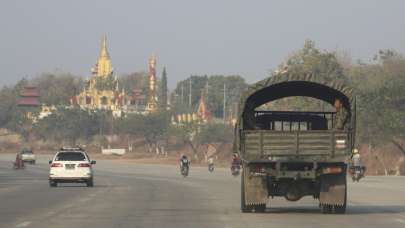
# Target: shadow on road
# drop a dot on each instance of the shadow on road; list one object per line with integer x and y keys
{"x": 365, "y": 209}
{"x": 376, "y": 209}
{"x": 81, "y": 186}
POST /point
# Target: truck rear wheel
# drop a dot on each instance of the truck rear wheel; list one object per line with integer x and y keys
{"x": 243, "y": 207}
{"x": 257, "y": 208}
{"x": 333, "y": 195}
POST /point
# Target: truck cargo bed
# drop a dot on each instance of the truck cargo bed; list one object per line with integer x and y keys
{"x": 265, "y": 143}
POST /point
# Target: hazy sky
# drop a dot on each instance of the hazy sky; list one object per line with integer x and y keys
{"x": 247, "y": 37}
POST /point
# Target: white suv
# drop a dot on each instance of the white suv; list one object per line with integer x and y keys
{"x": 28, "y": 156}
{"x": 71, "y": 165}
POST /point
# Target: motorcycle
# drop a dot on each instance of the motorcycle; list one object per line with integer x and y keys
{"x": 211, "y": 168}
{"x": 184, "y": 168}
{"x": 235, "y": 170}
{"x": 357, "y": 172}
{"x": 18, "y": 166}
{"x": 184, "y": 171}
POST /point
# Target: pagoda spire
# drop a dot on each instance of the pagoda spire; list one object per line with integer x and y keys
{"x": 104, "y": 51}
{"x": 103, "y": 67}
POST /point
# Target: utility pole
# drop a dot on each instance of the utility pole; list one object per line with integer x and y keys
{"x": 224, "y": 111}
{"x": 189, "y": 97}
{"x": 182, "y": 93}
{"x": 206, "y": 89}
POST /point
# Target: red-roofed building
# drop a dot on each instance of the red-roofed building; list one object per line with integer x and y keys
{"x": 29, "y": 96}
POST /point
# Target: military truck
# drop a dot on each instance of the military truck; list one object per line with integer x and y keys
{"x": 293, "y": 154}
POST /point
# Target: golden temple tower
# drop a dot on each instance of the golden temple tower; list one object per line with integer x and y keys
{"x": 104, "y": 97}
{"x": 203, "y": 113}
{"x": 103, "y": 67}
{"x": 152, "y": 95}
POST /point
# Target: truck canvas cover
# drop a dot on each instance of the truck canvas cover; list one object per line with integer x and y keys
{"x": 291, "y": 84}
{"x": 259, "y": 142}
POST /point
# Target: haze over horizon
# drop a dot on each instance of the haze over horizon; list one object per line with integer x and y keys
{"x": 207, "y": 37}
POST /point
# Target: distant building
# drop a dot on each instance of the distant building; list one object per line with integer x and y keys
{"x": 29, "y": 97}
{"x": 136, "y": 102}
{"x": 203, "y": 113}
{"x": 102, "y": 89}
{"x": 152, "y": 104}
{"x": 202, "y": 116}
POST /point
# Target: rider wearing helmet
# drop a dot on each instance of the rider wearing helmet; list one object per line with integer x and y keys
{"x": 184, "y": 161}
{"x": 235, "y": 160}
{"x": 210, "y": 161}
{"x": 356, "y": 159}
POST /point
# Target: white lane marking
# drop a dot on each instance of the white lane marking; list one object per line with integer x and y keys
{"x": 24, "y": 224}
{"x": 400, "y": 221}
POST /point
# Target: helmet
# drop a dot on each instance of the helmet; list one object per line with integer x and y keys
{"x": 355, "y": 151}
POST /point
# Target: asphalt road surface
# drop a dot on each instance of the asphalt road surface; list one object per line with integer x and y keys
{"x": 133, "y": 195}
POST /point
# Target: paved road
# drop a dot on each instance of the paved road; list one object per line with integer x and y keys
{"x": 129, "y": 195}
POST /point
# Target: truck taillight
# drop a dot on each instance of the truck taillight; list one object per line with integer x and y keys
{"x": 332, "y": 170}
{"x": 56, "y": 165}
{"x": 84, "y": 165}
{"x": 259, "y": 169}
{"x": 340, "y": 144}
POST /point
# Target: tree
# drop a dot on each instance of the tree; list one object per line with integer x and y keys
{"x": 310, "y": 60}
{"x": 214, "y": 93}
{"x": 215, "y": 133}
{"x": 152, "y": 127}
{"x": 320, "y": 63}
{"x": 12, "y": 116}
{"x": 57, "y": 88}
{"x": 136, "y": 80}
{"x": 163, "y": 91}
{"x": 69, "y": 125}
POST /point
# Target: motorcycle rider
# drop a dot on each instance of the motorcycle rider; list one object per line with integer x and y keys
{"x": 19, "y": 163}
{"x": 184, "y": 162}
{"x": 235, "y": 160}
{"x": 357, "y": 166}
{"x": 210, "y": 163}
{"x": 356, "y": 159}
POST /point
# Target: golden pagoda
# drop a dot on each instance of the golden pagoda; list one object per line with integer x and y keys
{"x": 101, "y": 90}
{"x": 203, "y": 113}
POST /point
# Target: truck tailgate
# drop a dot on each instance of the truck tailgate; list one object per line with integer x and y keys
{"x": 295, "y": 143}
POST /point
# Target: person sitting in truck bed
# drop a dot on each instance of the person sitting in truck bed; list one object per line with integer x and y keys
{"x": 341, "y": 116}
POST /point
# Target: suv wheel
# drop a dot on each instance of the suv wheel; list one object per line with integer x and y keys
{"x": 53, "y": 184}
{"x": 90, "y": 183}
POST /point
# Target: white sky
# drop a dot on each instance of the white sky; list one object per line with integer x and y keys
{"x": 189, "y": 37}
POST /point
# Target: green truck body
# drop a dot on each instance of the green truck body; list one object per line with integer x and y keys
{"x": 293, "y": 154}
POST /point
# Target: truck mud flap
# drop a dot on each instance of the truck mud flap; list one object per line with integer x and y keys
{"x": 333, "y": 190}
{"x": 255, "y": 189}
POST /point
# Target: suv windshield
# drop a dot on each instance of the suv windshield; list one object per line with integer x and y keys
{"x": 70, "y": 156}
{"x": 26, "y": 151}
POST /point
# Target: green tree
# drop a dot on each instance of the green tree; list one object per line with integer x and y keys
{"x": 69, "y": 125}
{"x": 214, "y": 93}
{"x": 12, "y": 116}
{"x": 152, "y": 127}
{"x": 215, "y": 133}
{"x": 163, "y": 91}
{"x": 310, "y": 60}
{"x": 136, "y": 80}
{"x": 58, "y": 88}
